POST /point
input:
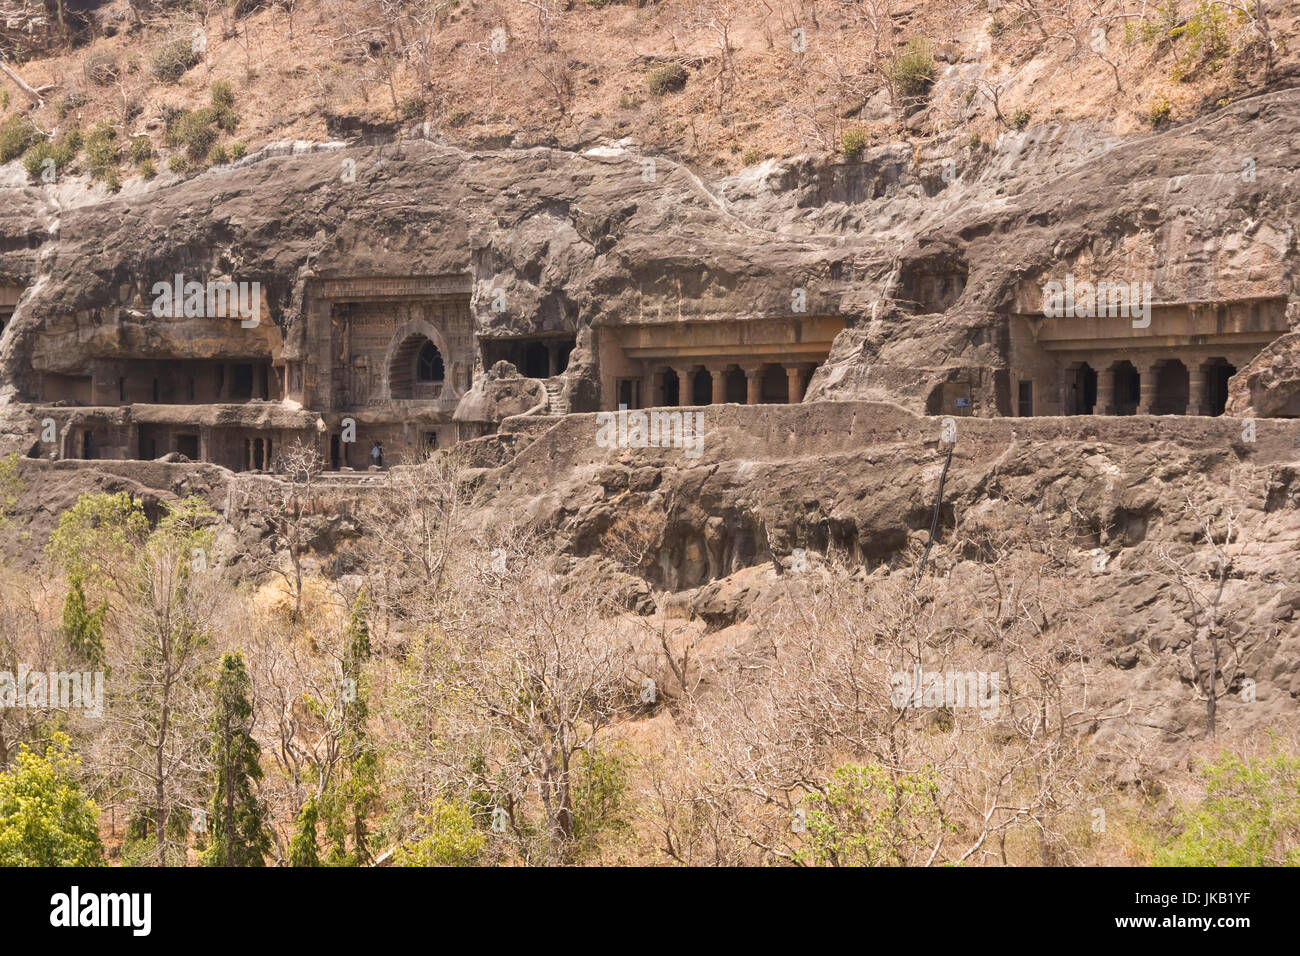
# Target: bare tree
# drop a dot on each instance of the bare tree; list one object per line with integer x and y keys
{"x": 522, "y": 676}
{"x": 157, "y": 709}
{"x": 290, "y": 498}
{"x": 1202, "y": 578}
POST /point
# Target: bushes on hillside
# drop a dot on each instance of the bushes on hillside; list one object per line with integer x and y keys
{"x": 173, "y": 59}
{"x": 17, "y": 135}
{"x": 668, "y": 78}
{"x": 854, "y": 141}
{"x": 914, "y": 70}
{"x": 62, "y": 153}
{"x": 1250, "y": 816}
{"x": 197, "y": 131}
{"x": 101, "y": 68}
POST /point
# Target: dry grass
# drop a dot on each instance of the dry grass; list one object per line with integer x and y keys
{"x": 769, "y": 100}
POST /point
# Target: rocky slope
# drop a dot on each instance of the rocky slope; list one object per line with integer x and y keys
{"x": 580, "y": 237}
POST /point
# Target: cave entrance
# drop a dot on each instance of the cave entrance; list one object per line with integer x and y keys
{"x": 737, "y": 385}
{"x": 775, "y": 386}
{"x": 672, "y": 388}
{"x": 1217, "y": 372}
{"x": 188, "y": 445}
{"x": 702, "y": 387}
{"x": 1128, "y": 385}
{"x": 537, "y": 361}
{"x": 1171, "y": 388}
{"x": 417, "y": 370}
{"x": 1080, "y": 389}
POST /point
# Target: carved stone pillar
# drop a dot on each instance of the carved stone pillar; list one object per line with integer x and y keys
{"x": 1198, "y": 399}
{"x": 654, "y": 386}
{"x": 1105, "y": 392}
{"x": 684, "y": 384}
{"x": 1146, "y": 387}
{"x": 753, "y": 384}
{"x": 794, "y": 375}
{"x": 719, "y": 374}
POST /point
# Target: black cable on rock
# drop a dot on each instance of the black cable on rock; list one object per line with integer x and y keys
{"x": 934, "y": 522}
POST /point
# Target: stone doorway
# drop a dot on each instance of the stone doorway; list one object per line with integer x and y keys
{"x": 537, "y": 361}
{"x": 1217, "y": 372}
{"x": 775, "y": 387}
{"x": 1080, "y": 389}
{"x": 188, "y": 445}
{"x": 737, "y": 388}
{"x": 701, "y": 387}
{"x": 1127, "y": 384}
{"x": 672, "y": 388}
{"x": 1171, "y": 388}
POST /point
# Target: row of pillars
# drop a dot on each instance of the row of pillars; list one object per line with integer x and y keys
{"x": 257, "y": 453}
{"x": 1199, "y": 399}
{"x": 794, "y": 371}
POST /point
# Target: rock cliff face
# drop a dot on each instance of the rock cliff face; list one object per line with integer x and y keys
{"x": 924, "y": 256}
{"x": 776, "y": 490}
{"x": 779, "y": 486}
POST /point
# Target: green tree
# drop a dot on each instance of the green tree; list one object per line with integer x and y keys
{"x": 168, "y": 603}
{"x": 98, "y": 539}
{"x": 349, "y": 797}
{"x": 1250, "y": 816}
{"x": 11, "y": 486}
{"x": 600, "y": 782}
{"x": 240, "y": 836}
{"x": 45, "y": 820}
{"x": 82, "y": 628}
{"x": 450, "y": 839}
{"x": 867, "y": 816}
{"x": 302, "y": 845}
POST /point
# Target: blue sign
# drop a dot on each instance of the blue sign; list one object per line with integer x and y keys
{"x": 963, "y": 403}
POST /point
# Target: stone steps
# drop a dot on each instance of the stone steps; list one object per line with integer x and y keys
{"x": 557, "y": 403}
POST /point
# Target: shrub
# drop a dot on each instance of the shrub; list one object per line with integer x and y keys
{"x": 237, "y": 152}
{"x": 197, "y": 131}
{"x": 63, "y": 154}
{"x": 173, "y": 59}
{"x": 223, "y": 95}
{"x": 411, "y": 108}
{"x": 854, "y": 141}
{"x": 913, "y": 71}
{"x": 148, "y": 170}
{"x": 866, "y": 816}
{"x": 102, "y": 151}
{"x": 458, "y": 118}
{"x": 450, "y": 839}
{"x": 101, "y": 68}
{"x": 17, "y": 135}
{"x": 751, "y": 157}
{"x": 1020, "y": 118}
{"x": 668, "y": 78}
{"x": 11, "y": 486}
{"x": 1250, "y": 816}
{"x": 1160, "y": 112}
{"x": 45, "y": 819}
{"x": 178, "y": 164}
{"x": 219, "y": 156}
{"x": 141, "y": 149}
